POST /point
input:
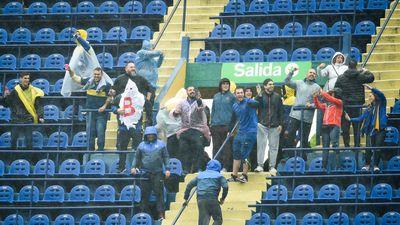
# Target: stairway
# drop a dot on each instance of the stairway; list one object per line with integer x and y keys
{"x": 235, "y": 210}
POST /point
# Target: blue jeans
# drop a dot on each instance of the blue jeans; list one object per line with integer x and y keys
{"x": 330, "y": 134}
{"x": 96, "y": 126}
{"x": 243, "y": 144}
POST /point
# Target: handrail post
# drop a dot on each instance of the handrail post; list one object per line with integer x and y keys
{"x": 185, "y": 48}
{"x": 184, "y": 16}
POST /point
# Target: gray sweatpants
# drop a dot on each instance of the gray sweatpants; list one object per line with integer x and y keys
{"x": 271, "y": 136}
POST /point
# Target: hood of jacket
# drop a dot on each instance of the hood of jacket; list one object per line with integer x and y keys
{"x": 150, "y": 130}
{"x": 147, "y": 45}
{"x": 214, "y": 165}
{"x": 336, "y": 54}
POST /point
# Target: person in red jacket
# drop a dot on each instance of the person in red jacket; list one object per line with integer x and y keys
{"x": 333, "y": 109}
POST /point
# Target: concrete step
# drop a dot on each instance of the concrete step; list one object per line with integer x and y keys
{"x": 175, "y": 52}
{"x": 165, "y": 70}
{"x": 386, "y": 84}
{"x": 392, "y": 21}
{"x": 170, "y": 61}
{"x": 193, "y": 221}
{"x": 379, "y": 66}
{"x": 204, "y": 2}
{"x": 195, "y": 10}
{"x": 383, "y": 56}
{"x": 226, "y": 206}
{"x": 179, "y": 34}
{"x": 238, "y": 186}
{"x": 168, "y": 43}
{"x": 385, "y": 47}
{"x": 189, "y": 26}
{"x": 387, "y": 38}
{"x": 386, "y": 74}
{"x": 389, "y": 93}
{"x": 389, "y": 30}
{"x": 192, "y": 18}
{"x": 194, "y": 213}
{"x": 396, "y": 13}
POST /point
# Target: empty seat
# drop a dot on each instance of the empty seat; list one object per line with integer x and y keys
{"x": 222, "y": 31}
{"x": 66, "y": 35}
{"x": 259, "y": 6}
{"x": 353, "y": 5}
{"x": 6, "y": 194}
{"x": 269, "y": 30}
{"x": 58, "y": 140}
{"x": 312, "y": 219}
{"x": 141, "y": 33}
{"x": 305, "y": 6}
{"x": 347, "y": 164}
{"x": 39, "y": 219}
{"x": 391, "y": 218}
{"x": 37, "y": 8}
{"x": 8, "y": 62}
{"x": 37, "y": 140}
{"x": 110, "y": 7}
{"x": 355, "y": 54}
{"x": 295, "y": 164}
{"x": 303, "y": 192}
{"x": 116, "y": 219}
{"x": 156, "y": 7}
{"x": 392, "y": 135}
{"x": 54, "y": 62}
{"x": 302, "y": 54}
{"x": 79, "y": 140}
{"x": 259, "y": 219}
{"x": 54, "y": 193}
{"x": 377, "y": 4}
{"x": 90, "y": 219}
{"x": 79, "y": 193}
{"x": 317, "y": 28}
{"x": 175, "y": 167}
{"x": 45, "y": 35}
{"x": 28, "y": 193}
{"x": 364, "y": 218}
{"x": 329, "y": 192}
{"x": 277, "y": 193}
{"x": 365, "y": 28}
{"x": 125, "y": 58}
{"x": 116, "y": 34}
{"x": 277, "y": 55}
{"x": 325, "y": 54}
{"x": 44, "y": 166}
{"x": 286, "y": 219}
{"x": 282, "y": 6}
{"x": 69, "y": 112}
{"x": 13, "y": 219}
{"x": 245, "y": 30}
{"x": 5, "y": 140}
{"x": 61, "y": 7}
{"x": 141, "y": 219}
{"x": 57, "y": 86}
{"x": 95, "y": 35}
{"x": 31, "y": 62}
{"x": 21, "y": 35}
{"x": 95, "y": 166}
{"x": 230, "y": 55}
{"x": 85, "y": 7}
{"x": 104, "y": 193}
{"x": 114, "y": 167}
{"x": 339, "y": 218}
{"x": 235, "y": 7}
{"x": 64, "y": 219}
{"x": 329, "y": 5}
{"x": 382, "y": 191}
{"x": 42, "y": 84}
{"x": 3, "y": 36}
{"x": 341, "y": 27}
{"x": 131, "y": 193}
{"x": 206, "y": 56}
{"x": 394, "y": 164}
{"x": 70, "y": 167}
{"x": 106, "y": 60}
{"x": 355, "y": 191}
{"x": 20, "y": 167}
{"x": 5, "y": 115}
{"x": 293, "y": 29}
{"x": 13, "y": 8}
{"x": 134, "y": 7}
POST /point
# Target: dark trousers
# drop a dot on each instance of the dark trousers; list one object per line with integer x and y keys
{"x": 219, "y": 134}
{"x": 173, "y": 146}
{"x": 353, "y": 113}
{"x": 155, "y": 183}
{"x": 376, "y": 140}
{"x": 26, "y": 131}
{"x": 294, "y": 126}
{"x": 123, "y": 138}
{"x": 191, "y": 150}
{"x": 209, "y": 208}
{"x": 330, "y": 134}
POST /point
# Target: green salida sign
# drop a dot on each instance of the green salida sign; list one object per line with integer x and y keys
{"x": 259, "y": 71}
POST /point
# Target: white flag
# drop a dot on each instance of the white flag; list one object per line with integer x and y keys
{"x": 132, "y": 102}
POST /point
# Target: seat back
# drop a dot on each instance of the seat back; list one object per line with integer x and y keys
{"x": 175, "y": 166}
{"x": 95, "y": 166}
{"x": 222, "y": 31}
{"x": 277, "y": 55}
{"x": 382, "y": 191}
{"x": 80, "y": 140}
{"x": 237, "y": 6}
{"x": 54, "y": 61}
{"x": 355, "y": 53}
{"x": 45, "y": 166}
{"x": 206, "y": 56}
{"x": 61, "y": 7}
{"x": 394, "y": 163}
{"x": 70, "y": 167}
{"x": 95, "y": 35}
{"x": 109, "y": 7}
{"x": 37, "y": 140}
{"x": 134, "y": 7}
{"x": 353, "y": 4}
{"x": 325, "y": 54}
{"x": 20, "y": 167}
{"x": 230, "y": 55}
{"x": 79, "y": 193}
{"x": 3, "y": 36}
{"x": 269, "y": 30}
{"x": 42, "y": 84}
{"x": 13, "y": 219}
{"x": 57, "y": 86}
{"x": 58, "y": 139}
{"x": 377, "y": 4}
{"x": 28, "y": 193}
{"x": 391, "y": 218}
{"x": 312, "y": 219}
{"x": 306, "y": 6}
{"x": 392, "y": 135}
{"x": 254, "y": 55}
{"x": 329, "y": 192}
{"x": 259, "y": 6}
{"x": 90, "y": 219}
{"x": 45, "y": 35}
{"x": 105, "y": 193}
{"x": 13, "y": 8}
{"x": 5, "y": 114}
{"x": 117, "y": 34}
{"x": 282, "y": 6}
{"x": 364, "y": 218}
{"x": 6, "y": 194}
{"x": 245, "y": 30}
{"x": 259, "y": 219}
{"x": 31, "y": 61}
{"x": 338, "y": 219}
{"x": 355, "y": 191}
{"x": 54, "y": 193}
{"x": 156, "y": 7}
{"x": 39, "y": 219}
{"x": 8, "y": 62}
{"x": 365, "y": 28}
{"x": 37, "y": 8}
{"x": 302, "y": 54}
{"x": 295, "y": 165}
{"x": 106, "y": 60}
{"x": 347, "y": 164}
{"x": 116, "y": 219}
{"x": 341, "y": 27}
{"x": 2, "y": 168}
{"x": 66, "y": 35}
{"x": 141, "y": 219}
{"x": 317, "y": 28}
{"x": 329, "y": 5}
{"x": 125, "y": 58}
{"x": 131, "y": 193}
{"x": 21, "y": 35}
{"x": 303, "y": 192}
{"x": 141, "y": 33}
{"x": 277, "y": 192}
{"x": 286, "y": 219}
{"x": 5, "y": 140}
{"x": 293, "y": 29}
{"x": 85, "y": 7}
{"x": 64, "y": 219}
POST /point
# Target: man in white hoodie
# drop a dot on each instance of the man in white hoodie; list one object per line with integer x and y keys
{"x": 332, "y": 71}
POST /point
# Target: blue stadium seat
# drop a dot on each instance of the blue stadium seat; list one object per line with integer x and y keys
{"x": 58, "y": 139}
{"x": 394, "y": 164}
{"x": 355, "y": 54}
{"x": 95, "y": 166}
{"x": 8, "y": 62}
{"x": 54, "y": 62}
{"x": 54, "y": 193}
{"x": 365, "y": 28}
{"x": 141, "y": 33}
{"x": 354, "y": 190}
{"x": 79, "y": 193}
{"x": 70, "y": 167}
{"x": 286, "y": 219}
{"x": 364, "y": 218}
{"x": 259, "y": 6}
{"x": 79, "y": 140}
{"x": 259, "y": 219}
{"x": 283, "y": 6}
{"x": 39, "y": 219}
{"x": 85, "y": 7}
{"x": 37, "y": 8}
{"x": 6, "y": 194}
{"x": 341, "y": 27}
{"x": 329, "y": 192}
{"x": 66, "y": 35}
{"x": 317, "y": 28}
{"x": 305, "y": 6}
{"x": 329, "y": 5}
{"x": 2, "y": 168}
{"x": 68, "y": 113}
{"x": 349, "y": 5}
{"x": 21, "y": 36}
{"x": 377, "y": 4}
{"x": 20, "y": 167}
{"x": 116, "y": 34}
{"x": 338, "y": 219}
{"x": 140, "y": 219}
{"x": 222, "y": 31}
{"x": 390, "y": 218}
{"x": 134, "y": 7}
{"x": 392, "y": 135}
{"x": 106, "y": 60}
{"x": 382, "y": 191}
{"x": 269, "y": 30}
{"x": 277, "y": 55}
{"x": 31, "y": 62}
{"x": 131, "y": 193}
{"x": 45, "y": 35}
{"x": 254, "y": 55}
{"x": 312, "y": 219}
{"x": 302, "y": 54}
{"x": 5, "y": 115}
{"x": 37, "y": 140}
{"x": 303, "y": 192}
{"x": 64, "y": 219}
{"x": 235, "y": 7}
{"x": 57, "y": 86}
{"x": 90, "y": 219}
{"x": 116, "y": 219}
{"x": 13, "y": 8}
{"x": 42, "y": 84}
{"x": 114, "y": 167}
{"x": 156, "y": 7}
{"x": 325, "y": 54}
{"x": 125, "y": 58}
{"x": 175, "y": 166}
{"x": 95, "y": 35}
{"x": 230, "y": 55}
{"x": 104, "y": 193}
{"x": 295, "y": 165}
{"x": 45, "y": 166}
{"x": 61, "y": 7}
{"x": 109, "y": 7}
{"x": 3, "y": 36}
{"x": 347, "y": 164}
{"x": 13, "y": 219}
{"x": 293, "y": 29}
{"x": 245, "y": 30}
{"x": 277, "y": 192}
{"x": 28, "y": 193}
{"x": 206, "y": 56}
{"x": 5, "y": 140}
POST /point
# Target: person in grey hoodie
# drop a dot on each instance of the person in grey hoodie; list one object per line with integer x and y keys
{"x": 152, "y": 159}
{"x": 332, "y": 71}
{"x": 209, "y": 184}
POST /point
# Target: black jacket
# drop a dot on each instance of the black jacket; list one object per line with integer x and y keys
{"x": 351, "y": 83}
{"x": 142, "y": 84}
{"x": 270, "y": 109}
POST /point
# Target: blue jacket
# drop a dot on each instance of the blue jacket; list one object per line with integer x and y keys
{"x": 148, "y": 62}
{"x": 151, "y": 156}
{"x": 221, "y": 111}
{"x": 209, "y": 183}
{"x": 246, "y": 112}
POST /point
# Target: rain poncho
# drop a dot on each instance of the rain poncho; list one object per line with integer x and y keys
{"x": 131, "y": 102}
{"x": 148, "y": 62}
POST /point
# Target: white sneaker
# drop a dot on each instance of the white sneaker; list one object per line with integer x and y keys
{"x": 272, "y": 171}
{"x": 365, "y": 168}
{"x": 259, "y": 169}
{"x": 224, "y": 170}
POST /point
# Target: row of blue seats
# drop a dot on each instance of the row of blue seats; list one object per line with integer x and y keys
{"x": 72, "y": 167}
{"x": 41, "y": 83}
{"x": 87, "y": 219}
{"x": 85, "y": 7}
{"x": 56, "y": 61}
{"x": 331, "y": 192}
{"x": 275, "y": 55}
{"x": 286, "y": 6}
{"x": 318, "y": 28}
{"x": 47, "y": 35}
{"x": 338, "y": 218}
